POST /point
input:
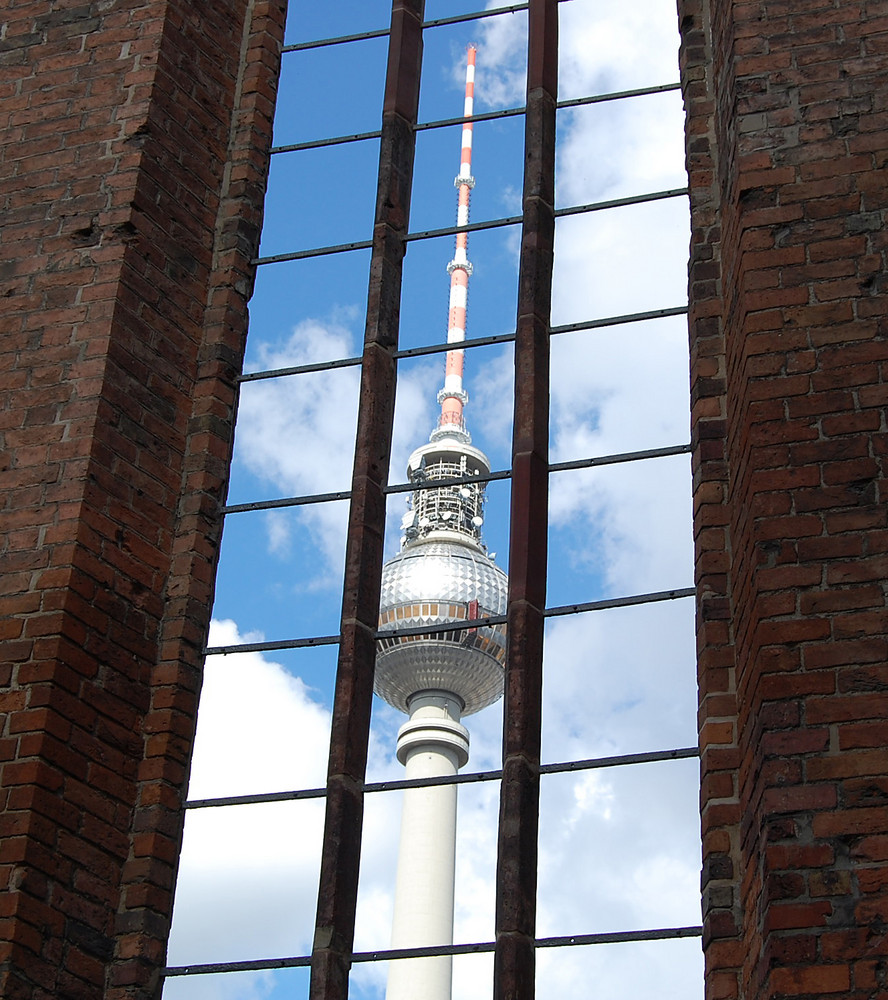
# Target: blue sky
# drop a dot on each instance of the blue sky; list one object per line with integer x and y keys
{"x": 619, "y": 847}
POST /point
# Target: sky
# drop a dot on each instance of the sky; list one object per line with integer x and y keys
{"x": 620, "y": 846}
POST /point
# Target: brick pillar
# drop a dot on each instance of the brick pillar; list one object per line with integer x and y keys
{"x": 720, "y": 806}
{"x": 787, "y": 149}
{"x": 132, "y": 181}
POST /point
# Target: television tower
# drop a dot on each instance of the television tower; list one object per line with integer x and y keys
{"x": 442, "y": 573}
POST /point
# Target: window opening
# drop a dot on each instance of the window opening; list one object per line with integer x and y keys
{"x": 434, "y": 504}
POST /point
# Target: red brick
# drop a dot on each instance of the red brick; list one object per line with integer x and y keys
{"x": 815, "y": 980}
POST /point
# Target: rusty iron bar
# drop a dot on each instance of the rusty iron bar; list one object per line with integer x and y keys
{"x": 453, "y": 626}
{"x": 475, "y": 15}
{"x": 491, "y": 477}
{"x": 516, "y": 877}
{"x": 477, "y": 227}
{"x": 319, "y": 43}
{"x": 476, "y": 948}
{"x": 330, "y": 140}
{"x": 576, "y": 102}
{"x": 440, "y": 348}
{"x": 461, "y": 778}
{"x": 382, "y": 32}
{"x": 316, "y": 366}
{"x": 485, "y": 116}
{"x": 350, "y": 727}
{"x": 301, "y": 501}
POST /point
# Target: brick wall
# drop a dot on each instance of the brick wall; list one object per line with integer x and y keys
{"x": 131, "y": 182}
{"x": 787, "y": 149}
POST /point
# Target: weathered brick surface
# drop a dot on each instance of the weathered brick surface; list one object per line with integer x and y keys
{"x": 720, "y": 755}
{"x": 787, "y": 149}
{"x": 131, "y": 183}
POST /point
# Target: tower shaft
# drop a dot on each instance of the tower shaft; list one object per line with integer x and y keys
{"x": 432, "y": 744}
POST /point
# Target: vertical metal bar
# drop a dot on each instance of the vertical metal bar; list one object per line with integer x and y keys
{"x": 514, "y": 963}
{"x": 340, "y": 858}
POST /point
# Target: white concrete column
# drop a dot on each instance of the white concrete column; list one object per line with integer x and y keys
{"x": 430, "y": 744}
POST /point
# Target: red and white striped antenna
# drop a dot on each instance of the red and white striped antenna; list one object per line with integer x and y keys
{"x": 453, "y": 397}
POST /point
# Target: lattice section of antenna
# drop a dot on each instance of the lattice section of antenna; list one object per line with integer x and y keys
{"x": 459, "y": 507}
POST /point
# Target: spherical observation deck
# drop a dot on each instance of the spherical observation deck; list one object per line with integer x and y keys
{"x": 442, "y": 577}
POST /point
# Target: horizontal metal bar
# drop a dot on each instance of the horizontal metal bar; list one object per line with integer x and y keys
{"x": 617, "y": 95}
{"x": 260, "y": 798}
{"x": 620, "y": 760}
{"x": 563, "y": 767}
{"x": 475, "y": 227}
{"x": 409, "y": 352}
{"x": 333, "y": 140}
{"x": 606, "y": 321}
{"x": 560, "y": 213}
{"x": 475, "y": 16}
{"x": 279, "y": 258}
{"x": 263, "y": 647}
{"x": 566, "y": 609}
{"x": 468, "y": 343}
{"x": 622, "y": 937}
{"x": 329, "y": 640}
{"x": 240, "y": 508}
{"x": 431, "y": 484}
{"x": 319, "y": 366}
{"x": 628, "y": 456}
{"x": 392, "y": 954}
{"x": 619, "y": 602}
{"x": 471, "y": 227}
{"x": 604, "y": 937}
{"x": 302, "y": 501}
{"x": 382, "y": 32}
{"x": 482, "y": 116}
{"x": 338, "y": 40}
{"x": 448, "y": 626}
{"x": 471, "y": 777}
{"x": 635, "y": 199}
{"x": 446, "y": 949}
{"x": 575, "y": 102}
{"x": 255, "y": 965}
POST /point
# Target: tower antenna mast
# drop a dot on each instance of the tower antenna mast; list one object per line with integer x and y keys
{"x": 453, "y": 397}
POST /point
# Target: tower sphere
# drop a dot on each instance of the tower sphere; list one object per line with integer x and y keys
{"x": 441, "y": 580}
{"x": 443, "y": 574}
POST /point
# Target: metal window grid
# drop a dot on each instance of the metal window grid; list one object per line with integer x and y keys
{"x": 515, "y": 942}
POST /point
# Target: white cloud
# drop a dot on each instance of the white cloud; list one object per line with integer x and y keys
{"x": 619, "y": 681}
{"x": 499, "y": 74}
{"x": 490, "y": 404}
{"x": 619, "y": 261}
{"x": 248, "y": 874}
{"x": 280, "y": 532}
{"x": 260, "y": 728}
{"x": 602, "y": 48}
